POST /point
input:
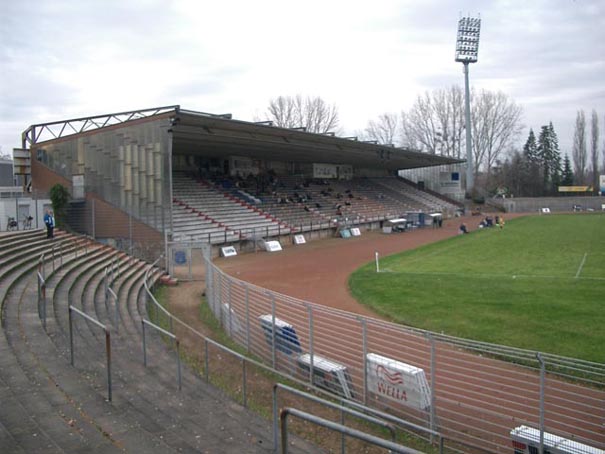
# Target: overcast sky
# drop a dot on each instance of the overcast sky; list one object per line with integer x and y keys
{"x": 64, "y": 59}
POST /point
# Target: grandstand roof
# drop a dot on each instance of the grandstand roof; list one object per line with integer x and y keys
{"x": 217, "y": 135}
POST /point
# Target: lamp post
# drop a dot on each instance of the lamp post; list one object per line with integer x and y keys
{"x": 467, "y": 50}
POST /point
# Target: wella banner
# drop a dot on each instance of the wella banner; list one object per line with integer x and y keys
{"x": 398, "y": 381}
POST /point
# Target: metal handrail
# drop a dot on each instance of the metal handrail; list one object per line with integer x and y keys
{"x": 73, "y": 309}
{"x": 150, "y": 294}
{"x": 393, "y": 447}
{"x": 42, "y": 299}
{"x": 173, "y": 337}
{"x": 116, "y": 303}
{"x": 343, "y": 409}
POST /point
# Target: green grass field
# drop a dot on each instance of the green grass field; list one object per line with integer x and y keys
{"x": 537, "y": 284}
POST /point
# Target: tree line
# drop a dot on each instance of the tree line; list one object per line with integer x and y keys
{"x": 435, "y": 124}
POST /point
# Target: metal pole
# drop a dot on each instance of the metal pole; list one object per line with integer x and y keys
{"x": 206, "y": 362}
{"x": 470, "y": 177}
{"x": 178, "y": 362}
{"x": 144, "y": 345}
{"x": 247, "y": 320}
{"x": 433, "y": 377}
{"x": 130, "y": 232}
{"x": 108, "y": 350}
{"x": 364, "y": 345}
{"x": 542, "y": 384}
{"x": 167, "y": 261}
{"x": 244, "y": 380}
{"x": 275, "y": 416}
{"x": 189, "y": 261}
{"x": 343, "y": 440}
{"x": 311, "y": 344}
{"x": 273, "y": 352}
{"x": 93, "y": 220}
{"x": 71, "y": 337}
{"x": 43, "y": 289}
{"x": 117, "y": 316}
{"x": 229, "y": 321}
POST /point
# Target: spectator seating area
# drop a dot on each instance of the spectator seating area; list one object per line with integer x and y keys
{"x": 230, "y": 209}
{"x": 202, "y": 211}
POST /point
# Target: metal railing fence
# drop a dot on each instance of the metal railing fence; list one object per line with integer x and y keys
{"x": 75, "y": 310}
{"x": 177, "y": 344}
{"x": 364, "y": 413}
{"x": 391, "y": 446}
{"x": 165, "y": 318}
{"x": 480, "y": 392}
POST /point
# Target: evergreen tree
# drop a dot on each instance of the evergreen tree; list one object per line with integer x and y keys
{"x": 567, "y": 177}
{"x": 550, "y": 158}
{"x": 532, "y": 164}
{"x": 556, "y": 167}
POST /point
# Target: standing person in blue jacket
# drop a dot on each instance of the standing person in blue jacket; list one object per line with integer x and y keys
{"x": 49, "y": 220}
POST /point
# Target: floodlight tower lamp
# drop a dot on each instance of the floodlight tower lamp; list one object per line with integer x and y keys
{"x": 467, "y": 51}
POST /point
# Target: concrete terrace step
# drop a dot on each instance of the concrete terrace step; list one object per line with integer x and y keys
{"x": 54, "y": 424}
{"x": 67, "y": 410}
{"x": 163, "y": 380}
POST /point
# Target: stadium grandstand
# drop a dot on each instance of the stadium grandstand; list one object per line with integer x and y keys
{"x": 168, "y": 172}
{"x": 93, "y": 359}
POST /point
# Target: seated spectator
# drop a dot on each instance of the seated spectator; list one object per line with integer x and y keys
{"x": 317, "y": 205}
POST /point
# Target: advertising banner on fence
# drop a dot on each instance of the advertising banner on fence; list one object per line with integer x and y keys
{"x": 397, "y": 381}
{"x": 575, "y": 188}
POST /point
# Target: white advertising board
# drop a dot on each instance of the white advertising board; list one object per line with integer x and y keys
{"x": 299, "y": 239}
{"x": 228, "y": 251}
{"x": 272, "y": 246}
{"x": 355, "y": 231}
{"x": 397, "y": 381}
{"x": 324, "y": 171}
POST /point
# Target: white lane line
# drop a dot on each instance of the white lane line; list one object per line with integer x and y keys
{"x": 581, "y": 265}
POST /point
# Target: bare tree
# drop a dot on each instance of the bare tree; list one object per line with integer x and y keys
{"x": 594, "y": 150}
{"x": 384, "y": 129}
{"x": 419, "y": 128}
{"x": 579, "y": 148}
{"x": 496, "y": 123}
{"x": 313, "y": 114}
{"x": 449, "y": 109}
{"x": 435, "y": 123}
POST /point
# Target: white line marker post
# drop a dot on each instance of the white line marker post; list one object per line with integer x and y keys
{"x": 581, "y": 265}
{"x": 377, "y": 264}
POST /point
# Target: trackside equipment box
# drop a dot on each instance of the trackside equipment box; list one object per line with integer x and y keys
{"x": 327, "y": 374}
{"x": 286, "y": 340}
{"x": 397, "y": 381}
{"x": 526, "y": 440}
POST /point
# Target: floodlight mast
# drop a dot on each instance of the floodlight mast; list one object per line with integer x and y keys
{"x": 467, "y": 50}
